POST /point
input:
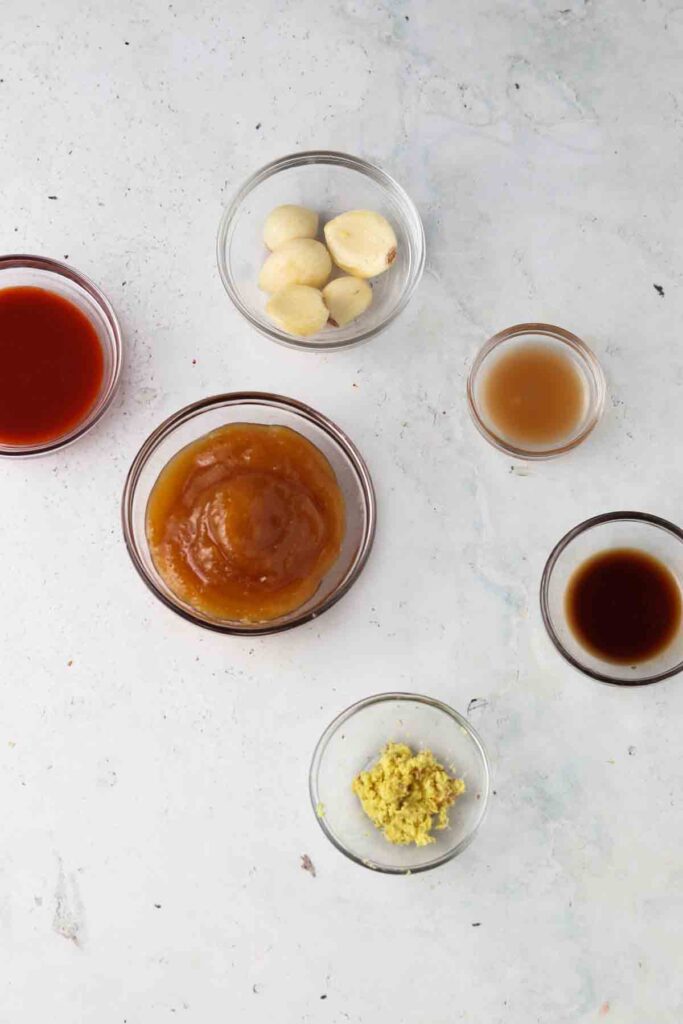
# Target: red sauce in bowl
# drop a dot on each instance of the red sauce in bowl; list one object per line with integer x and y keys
{"x": 51, "y": 366}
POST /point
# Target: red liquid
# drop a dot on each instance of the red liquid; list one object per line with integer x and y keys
{"x": 51, "y": 366}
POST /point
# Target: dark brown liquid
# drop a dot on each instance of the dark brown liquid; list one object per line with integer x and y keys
{"x": 534, "y": 395}
{"x": 624, "y": 605}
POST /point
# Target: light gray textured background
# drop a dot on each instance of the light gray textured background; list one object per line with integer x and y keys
{"x": 153, "y": 776}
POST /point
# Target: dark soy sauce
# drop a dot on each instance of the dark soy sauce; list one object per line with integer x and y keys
{"x": 623, "y": 605}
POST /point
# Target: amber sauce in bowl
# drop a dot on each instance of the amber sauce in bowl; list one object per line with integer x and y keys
{"x": 244, "y": 523}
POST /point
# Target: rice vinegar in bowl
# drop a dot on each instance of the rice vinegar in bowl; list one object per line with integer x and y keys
{"x": 536, "y": 391}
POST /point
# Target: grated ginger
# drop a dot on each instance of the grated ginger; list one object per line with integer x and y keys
{"x": 407, "y": 795}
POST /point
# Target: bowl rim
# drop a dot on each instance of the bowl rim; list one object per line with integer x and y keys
{"x": 562, "y": 544}
{"x": 344, "y": 716}
{"x": 50, "y": 265}
{"x": 334, "y": 158}
{"x": 258, "y": 398}
{"x": 589, "y": 360}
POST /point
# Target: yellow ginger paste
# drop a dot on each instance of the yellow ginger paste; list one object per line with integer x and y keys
{"x": 403, "y": 792}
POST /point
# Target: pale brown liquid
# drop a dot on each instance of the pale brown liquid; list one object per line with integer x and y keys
{"x": 533, "y": 395}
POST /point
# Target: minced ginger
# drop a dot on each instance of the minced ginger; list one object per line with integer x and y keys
{"x": 403, "y": 793}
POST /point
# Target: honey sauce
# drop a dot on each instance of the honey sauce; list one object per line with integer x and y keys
{"x": 245, "y": 522}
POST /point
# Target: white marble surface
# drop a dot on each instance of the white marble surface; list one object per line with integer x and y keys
{"x": 153, "y": 776}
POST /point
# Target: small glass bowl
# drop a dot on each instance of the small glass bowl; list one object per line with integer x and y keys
{"x": 52, "y": 275}
{"x": 198, "y": 419}
{"x": 353, "y": 742}
{"x": 648, "y": 533}
{"x": 329, "y": 183}
{"x": 556, "y": 337}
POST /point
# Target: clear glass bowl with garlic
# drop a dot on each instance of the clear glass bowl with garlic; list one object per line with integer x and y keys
{"x": 294, "y": 225}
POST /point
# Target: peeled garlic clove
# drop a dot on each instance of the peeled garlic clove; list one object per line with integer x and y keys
{"x": 361, "y": 242}
{"x": 298, "y": 309}
{"x": 300, "y": 261}
{"x": 346, "y": 298}
{"x": 287, "y": 222}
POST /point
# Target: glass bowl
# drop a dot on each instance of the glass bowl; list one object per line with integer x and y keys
{"x": 352, "y": 743}
{"x": 647, "y": 533}
{"x": 201, "y": 417}
{"x": 54, "y": 276}
{"x": 553, "y": 337}
{"x": 330, "y": 183}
